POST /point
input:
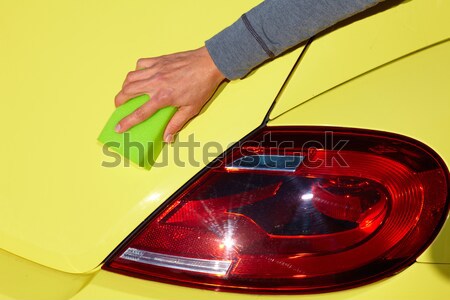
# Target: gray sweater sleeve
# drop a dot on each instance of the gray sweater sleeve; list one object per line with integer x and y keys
{"x": 273, "y": 27}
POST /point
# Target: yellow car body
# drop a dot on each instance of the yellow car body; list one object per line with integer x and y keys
{"x": 62, "y": 213}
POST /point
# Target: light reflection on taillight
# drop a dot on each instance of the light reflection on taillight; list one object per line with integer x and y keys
{"x": 295, "y": 216}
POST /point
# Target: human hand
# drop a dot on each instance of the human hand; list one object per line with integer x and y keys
{"x": 185, "y": 80}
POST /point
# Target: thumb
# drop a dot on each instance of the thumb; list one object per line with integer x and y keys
{"x": 177, "y": 122}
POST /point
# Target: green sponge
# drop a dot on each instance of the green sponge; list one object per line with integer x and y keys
{"x": 143, "y": 143}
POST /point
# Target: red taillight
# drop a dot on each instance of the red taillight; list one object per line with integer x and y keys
{"x": 296, "y": 209}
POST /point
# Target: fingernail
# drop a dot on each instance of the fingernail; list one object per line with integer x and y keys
{"x": 169, "y": 138}
{"x": 118, "y": 127}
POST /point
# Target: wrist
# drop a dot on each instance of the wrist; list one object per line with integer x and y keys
{"x": 212, "y": 68}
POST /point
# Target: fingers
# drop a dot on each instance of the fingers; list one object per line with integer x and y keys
{"x": 139, "y": 81}
{"x": 136, "y": 76}
{"x": 143, "y": 63}
{"x": 139, "y": 115}
{"x": 134, "y": 89}
{"x": 179, "y": 119}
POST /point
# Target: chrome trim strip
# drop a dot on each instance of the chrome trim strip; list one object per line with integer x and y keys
{"x": 267, "y": 162}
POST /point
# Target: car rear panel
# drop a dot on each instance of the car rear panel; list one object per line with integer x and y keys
{"x": 388, "y": 99}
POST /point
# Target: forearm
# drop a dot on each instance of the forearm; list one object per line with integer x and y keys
{"x": 273, "y": 27}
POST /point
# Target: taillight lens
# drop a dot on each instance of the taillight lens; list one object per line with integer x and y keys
{"x": 296, "y": 209}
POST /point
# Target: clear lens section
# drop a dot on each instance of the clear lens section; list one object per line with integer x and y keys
{"x": 214, "y": 267}
{"x": 302, "y": 218}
